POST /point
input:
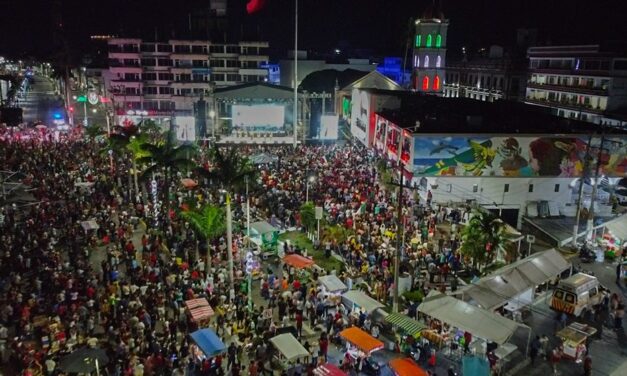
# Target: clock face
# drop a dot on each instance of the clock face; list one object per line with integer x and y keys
{"x": 92, "y": 98}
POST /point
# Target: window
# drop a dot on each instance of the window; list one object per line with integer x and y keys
{"x": 165, "y": 62}
{"x": 559, "y": 294}
{"x": 475, "y": 188}
{"x": 165, "y": 90}
{"x": 449, "y": 188}
{"x": 418, "y": 40}
{"x": 557, "y": 188}
{"x": 425, "y": 83}
{"x": 232, "y": 77}
{"x": 164, "y": 48}
{"x": 436, "y": 82}
{"x": 506, "y": 188}
{"x": 426, "y": 63}
{"x": 438, "y": 41}
{"x": 429, "y": 40}
{"x": 417, "y": 61}
{"x": 593, "y": 292}
{"x": 149, "y": 90}
{"x": 218, "y": 77}
{"x": 216, "y": 49}
{"x": 217, "y": 63}
{"x": 438, "y": 61}
{"x": 570, "y": 298}
{"x": 232, "y": 49}
{"x": 530, "y": 188}
{"x": 232, "y": 63}
{"x": 149, "y": 62}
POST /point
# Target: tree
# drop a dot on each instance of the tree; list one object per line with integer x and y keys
{"x": 483, "y": 237}
{"x": 308, "y": 215}
{"x": 337, "y": 233}
{"x": 92, "y": 132}
{"x": 229, "y": 170}
{"x": 165, "y": 157}
{"x": 208, "y": 223}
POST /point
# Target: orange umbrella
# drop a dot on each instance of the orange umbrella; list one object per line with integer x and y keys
{"x": 189, "y": 183}
{"x": 364, "y": 341}
{"x": 298, "y": 261}
{"x": 406, "y": 367}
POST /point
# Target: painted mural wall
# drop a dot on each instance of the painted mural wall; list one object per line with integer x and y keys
{"x": 517, "y": 156}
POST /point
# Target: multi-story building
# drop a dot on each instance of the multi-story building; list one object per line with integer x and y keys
{"x": 488, "y": 78}
{"x": 165, "y": 78}
{"x": 584, "y": 82}
{"x": 429, "y": 57}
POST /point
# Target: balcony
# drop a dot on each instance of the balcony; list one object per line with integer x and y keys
{"x": 254, "y": 72}
{"x": 570, "y": 105}
{"x": 116, "y": 48}
{"x": 569, "y": 89}
{"x": 573, "y": 72}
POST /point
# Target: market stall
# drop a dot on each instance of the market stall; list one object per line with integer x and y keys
{"x": 355, "y": 300}
{"x": 574, "y": 338}
{"x": 328, "y": 369}
{"x": 301, "y": 264}
{"x": 406, "y": 367}
{"x": 289, "y": 349}
{"x": 206, "y": 344}
{"x": 264, "y": 235}
{"x": 361, "y": 340}
{"x": 406, "y": 324}
{"x": 331, "y": 284}
{"x": 199, "y": 311}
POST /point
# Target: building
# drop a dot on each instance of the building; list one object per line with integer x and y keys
{"x": 501, "y": 156}
{"x": 429, "y": 55}
{"x": 490, "y": 77}
{"x": 158, "y": 79}
{"x": 393, "y": 69}
{"x": 586, "y": 82}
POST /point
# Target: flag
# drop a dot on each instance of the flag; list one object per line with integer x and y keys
{"x": 255, "y": 6}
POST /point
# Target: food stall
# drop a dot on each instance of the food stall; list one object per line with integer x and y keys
{"x": 406, "y": 367}
{"x": 199, "y": 311}
{"x": 360, "y": 344}
{"x": 356, "y": 300}
{"x": 206, "y": 344}
{"x": 301, "y": 264}
{"x": 264, "y": 235}
{"x": 289, "y": 350}
{"x": 332, "y": 285}
{"x": 406, "y": 324}
{"x": 574, "y": 338}
{"x": 328, "y": 369}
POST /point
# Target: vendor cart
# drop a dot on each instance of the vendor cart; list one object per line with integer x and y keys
{"x": 574, "y": 338}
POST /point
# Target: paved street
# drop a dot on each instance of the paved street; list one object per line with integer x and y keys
{"x": 41, "y": 103}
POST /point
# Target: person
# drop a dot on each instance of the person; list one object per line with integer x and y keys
{"x": 619, "y": 269}
{"x": 556, "y": 356}
{"x": 544, "y": 345}
{"x": 467, "y": 340}
{"x": 535, "y": 349}
{"x": 587, "y": 366}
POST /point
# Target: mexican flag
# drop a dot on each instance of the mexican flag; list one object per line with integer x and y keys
{"x": 255, "y": 6}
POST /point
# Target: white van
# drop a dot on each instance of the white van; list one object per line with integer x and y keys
{"x": 576, "y": 294}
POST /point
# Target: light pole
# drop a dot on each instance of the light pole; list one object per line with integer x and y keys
{"x": 212, "y": 115}
{"x": 310, "y": 179}
{"x": 295, "y": 110}
{"x": 229, "y": 245}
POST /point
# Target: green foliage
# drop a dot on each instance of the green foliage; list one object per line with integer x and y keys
{"x": 92, "y": 132}
{"x": 229, "y": 170}
{"x": 165, "y": 155}
{"x": 610, "y": 255}
{"x": 300, "y": 240}
{"x": 414, "y": 296}
{"x": 483, "y": 228}
{"x": 337, "y": 233}
{"x": 209, "y": 222}
{"x": 308, "y": 215}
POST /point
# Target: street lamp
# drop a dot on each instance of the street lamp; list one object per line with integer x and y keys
{"x": 310, "y": 179}
{"x": 212, "y": 115}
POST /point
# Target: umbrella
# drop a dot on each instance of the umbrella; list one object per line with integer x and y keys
{"x": 83, "y": 360}
{"x": 189, "y": 183}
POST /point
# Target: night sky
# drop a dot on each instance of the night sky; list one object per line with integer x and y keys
{"x": 27, "y": 27}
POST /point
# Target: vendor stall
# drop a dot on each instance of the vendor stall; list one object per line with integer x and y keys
{"x": 574, "y": 338}
{"x": 302, "y": 265}
{"x": 406, "y": 367}
{"x": 356, "y": 300}
{"x": 289, "y": 349}
{"x": 207, "y": 344}
{"x": 408, "y": 325}
{"x": 199, "y": 310}
{"x": 361, "y": 340}
{"x": 331, "y": 284}
{"x": 328, "y": 370}
{"x": 264, "y": 235}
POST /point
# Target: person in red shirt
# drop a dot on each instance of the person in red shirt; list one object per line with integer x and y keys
{"x": 299, "y": 323}
{"x": 296, "y": 285}
{"x": 253, "y": 369}
{"x": 324, "y": 346}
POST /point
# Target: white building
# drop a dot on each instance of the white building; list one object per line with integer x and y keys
{"x": 158, "y": 79}
{"x": 588, "y": 82}
{"x": 429, "y": 57}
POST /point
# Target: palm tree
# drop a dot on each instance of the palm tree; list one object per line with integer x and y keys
{"x": 308, "y": 215}
{"x": 483, "y": 237}
{"x": 165, "y": 157}
{"x": 229, "y": 170}
{"x": 209, "y": 224}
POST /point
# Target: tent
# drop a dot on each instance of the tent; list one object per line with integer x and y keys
{"x": 465, "y": 316}
{"x": 298, "y": 261}
{"x": 208, "y": 342}
{"x": 264, "y": 234}
{"x": 332, "y": 283}
{"x": 328, "y": 369}
{"x": 362, "y": 340}
{"x": 199, "y": 309}
{"x": 513, "y": 282}
{"x": 358, "y": 299}
{"x": 406, "y": 367}
{"x": 90, "y": 225}
{"x": 289, "y": 346}
{"x": 618, "y": 227}
{"x": 408, "y": 325}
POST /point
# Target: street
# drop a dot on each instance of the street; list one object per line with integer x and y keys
{"x": 41, "y": 103}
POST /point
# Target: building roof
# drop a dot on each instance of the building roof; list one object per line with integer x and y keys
{"x": 578, "y": 50}
{"x": 373, "y": 80}
{"x": 440, "y": 115}
{"x": 255, "y": 90}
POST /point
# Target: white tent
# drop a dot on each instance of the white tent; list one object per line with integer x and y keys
{"x": 289, "y": 347}
{"x": 90, "y": 225}
{"x": 618, "y": 227}
{"x": 515, "y": 280}
{"x": 358, "y": 299}
{"x": 459, "y": 314}
{"x": 332, "y": 283}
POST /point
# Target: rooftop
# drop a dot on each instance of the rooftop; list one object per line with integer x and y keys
{"x": 466, "y": 116}
{"x": 607, "y": 50}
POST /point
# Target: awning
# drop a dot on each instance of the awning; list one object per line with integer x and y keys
{"x": 328, "y": 370}
{"x": 361, "y": 300}
{"x": 208, "y": 342}
{"x": 289, "y": 346}
{"x": 409, "y": 325}
{"x": 406, "y": 367}
{"x": 90, "y": 225}
{"x": 480, "y": 322}
{"x": 332, "y": 283}
{"x": 362, "y": 340}
{"x": 511, "y": 281}
{"x": 195, "y": 303}
{"x": 262, "y": 227}
{"x": 199, "y": 309}
{"x": 298, "y": 261}
{"x": 618, "y": 227}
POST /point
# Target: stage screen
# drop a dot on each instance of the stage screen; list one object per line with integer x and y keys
{"x": 259, "y": 118}
{"x": 328, "y": 127}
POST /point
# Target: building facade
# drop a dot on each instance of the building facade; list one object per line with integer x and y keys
{"x": 587, "y": 82}
{"x": 429, "y": 55}
{"x": 165, "y": 78}
{"x": 487, "y": 78}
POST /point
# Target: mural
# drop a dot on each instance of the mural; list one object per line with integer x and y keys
{"x": 517, "y": 156}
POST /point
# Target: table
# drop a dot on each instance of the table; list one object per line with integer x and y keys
{"x": 574, "y": 337}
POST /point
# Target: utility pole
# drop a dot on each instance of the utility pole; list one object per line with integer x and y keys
{"x": 399, "y": 235}
{"x": 595, "y": 187}
{"x": 295, "y": 110}
{"x": 580, "y": 194}
{"x": 229, "y": 246}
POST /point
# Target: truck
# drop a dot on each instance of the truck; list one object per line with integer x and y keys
{"x": 577, "y": 294}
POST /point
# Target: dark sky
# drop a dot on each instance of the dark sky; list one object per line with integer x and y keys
{"x": 26, "y": 26}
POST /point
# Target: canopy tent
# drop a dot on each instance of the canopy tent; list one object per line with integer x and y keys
{"x": 263, "y": 233}
{"x": 512, "y": 281}
{"x": 199, "y": 309}
{"x": 332, "y": 283}
{"x": 328, "y": 369}
{"x": 362, "y": 340}
{"x": 359, "y": 299}
{"x": 480, "y": 322}
{"x": 298, "y": 261}
{"x": 289, "y": 346}
{"x": 406, "y": 367}
{"x": 208, "y": 342}
{"x": 618, "y": 227}
{"x": 408, "y": 325}
{"x": 90, "y": 225}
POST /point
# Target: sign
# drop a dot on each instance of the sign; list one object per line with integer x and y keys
{"x": 81, "y": 99}
{"x": 318, "y": 212}
{"x": 92, "y": 98}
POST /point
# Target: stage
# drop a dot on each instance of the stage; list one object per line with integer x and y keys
{"x": 248, "y": 140}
